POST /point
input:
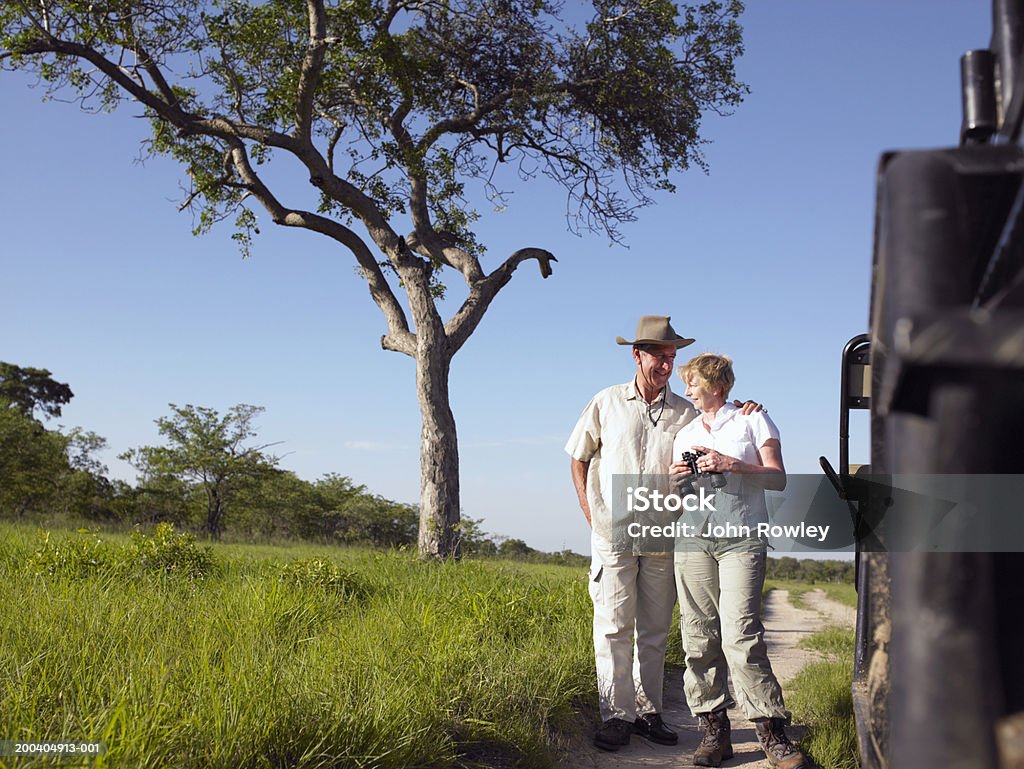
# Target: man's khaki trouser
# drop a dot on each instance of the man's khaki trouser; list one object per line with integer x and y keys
{"x": 719, "y": 584}
{"x": 633, "y": 598}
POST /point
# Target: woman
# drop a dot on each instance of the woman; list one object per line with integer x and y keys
{"x": 720, "y": 578}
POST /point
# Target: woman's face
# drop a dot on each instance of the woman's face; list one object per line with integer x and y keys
{"x": 702, "y": 395}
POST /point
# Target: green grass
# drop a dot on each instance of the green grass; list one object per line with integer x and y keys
{"x": 836, "y": 642}
{"x": 180, "y": 654}
{"x": 840, "y": 592}
{"x": 820, "y": 697}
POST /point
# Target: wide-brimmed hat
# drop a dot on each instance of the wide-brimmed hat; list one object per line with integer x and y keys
{"x": 655, "y": 329}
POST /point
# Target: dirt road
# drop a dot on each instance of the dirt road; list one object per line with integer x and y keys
{"x": 785, "y": 627}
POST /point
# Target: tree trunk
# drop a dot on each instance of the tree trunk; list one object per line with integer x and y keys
{"x": 439, "y": 449}
{"x": 214, "y": 513}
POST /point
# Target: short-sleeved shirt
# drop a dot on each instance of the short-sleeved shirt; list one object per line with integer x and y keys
{"x": 739, "y": 436}
{"x": 620, "y": 434}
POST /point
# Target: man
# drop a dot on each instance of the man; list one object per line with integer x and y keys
{"x": 627, "y": 430}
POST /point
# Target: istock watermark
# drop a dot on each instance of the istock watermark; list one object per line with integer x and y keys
{"x": 877, "y": 513}
{"x": 763, "y": 531}
{"x": 642, "y": 499}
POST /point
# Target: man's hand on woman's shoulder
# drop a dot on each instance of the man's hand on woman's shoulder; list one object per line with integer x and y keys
{"x": 749, "y": 407}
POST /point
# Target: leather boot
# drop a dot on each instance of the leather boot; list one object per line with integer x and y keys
{"x": 651, "y": 726}
{"x": 613, "y": 734}
{"x": 781, "y": 753}
{"x": 716, "y": 745}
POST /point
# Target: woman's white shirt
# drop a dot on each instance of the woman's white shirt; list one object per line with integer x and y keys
{"x": 734, "y": 435}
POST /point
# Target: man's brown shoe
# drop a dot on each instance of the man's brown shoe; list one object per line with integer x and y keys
{"x": 781, "y": 753}
{"x": 716, "y": 744}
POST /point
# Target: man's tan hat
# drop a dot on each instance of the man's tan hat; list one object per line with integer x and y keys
{"x": 656, "y": 329}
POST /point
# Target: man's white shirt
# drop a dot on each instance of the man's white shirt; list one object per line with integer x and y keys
{"x": 619, "y": 433}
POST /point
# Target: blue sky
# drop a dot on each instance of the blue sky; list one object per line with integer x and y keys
{"x": 766, "y": 259}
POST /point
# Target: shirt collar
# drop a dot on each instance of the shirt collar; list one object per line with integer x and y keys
{"x": 727, "y": 411}
{"x": 632, "y": 393}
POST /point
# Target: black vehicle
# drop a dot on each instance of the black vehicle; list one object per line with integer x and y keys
{"x": 939, "y": 668}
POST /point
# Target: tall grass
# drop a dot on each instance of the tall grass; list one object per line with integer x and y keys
{"x": 177, "y": 654}
{"x": 820, "y": 696}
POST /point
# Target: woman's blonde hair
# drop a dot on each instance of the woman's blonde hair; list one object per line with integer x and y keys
{"x": 712, "y": 370}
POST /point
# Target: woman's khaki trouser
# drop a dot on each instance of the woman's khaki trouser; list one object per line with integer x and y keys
{"x": 719, "y": 584}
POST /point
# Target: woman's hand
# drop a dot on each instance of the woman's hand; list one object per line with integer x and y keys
{"x": 770, "y": 471}
{"x": 715, "y": 462}
{"x": 679, "y": 468}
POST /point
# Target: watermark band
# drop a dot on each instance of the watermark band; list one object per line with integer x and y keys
{"x": 880, "y": 513}
{"x": 52, "y": 748}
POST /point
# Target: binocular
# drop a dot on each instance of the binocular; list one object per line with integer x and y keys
{"x": 718, "y": 480}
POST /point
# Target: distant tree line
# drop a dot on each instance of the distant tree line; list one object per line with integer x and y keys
{"x": 211, "y": 474}
{"x": 810, "y": 570}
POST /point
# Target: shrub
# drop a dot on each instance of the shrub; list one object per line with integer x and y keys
{"x": 164, "y": 552}
{"x": 168, "y": 552}
{"x": 76, "y": 558}
{"x": 323, "y": 574}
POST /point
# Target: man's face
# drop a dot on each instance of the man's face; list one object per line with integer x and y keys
{"x": 655, "y": 366}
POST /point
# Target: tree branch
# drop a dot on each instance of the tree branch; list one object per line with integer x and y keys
{"x": 425, "y": 240}
{"x": 464, "y": 322}
{"x": 147, "y": 62}
{"x": 43, "y": 26}
{"x": 339, "y": 131}
{"x": 188, "y": 123}
{"x": 399, "y": 337}
{"x": 150, "y": 65}
{"x": 46, "y": 43}
{"x": 312, "y": 65}
{"x": 431, "y": 244}
{"x": 463, "y": 123}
